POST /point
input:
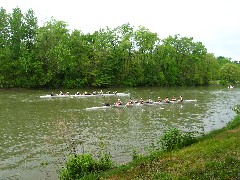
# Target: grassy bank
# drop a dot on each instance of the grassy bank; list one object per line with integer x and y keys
{"x": 215, "y": 156}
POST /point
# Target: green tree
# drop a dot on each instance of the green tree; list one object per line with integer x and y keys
{"x": 16, "y": 36}
{"x": 4, "y": 48}
{"x": 189, "y": 57}
{"x": 78, "y": 68}
{"x": 101, "y": 73}
{"x": 223, "y": 60}
{"x": 230, "y": 72}
{"x": 212, "y": 67}
{"x": 165, "y": 59}
{"x": 124, "y": 66}
{"x": 51, "y": 56}
{"x": 28, "y": 62}
{"x": 18, "y": 32}
{"x": 145, "y": 45}
{"x": 53, "y": 52}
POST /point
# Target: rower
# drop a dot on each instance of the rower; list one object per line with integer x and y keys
{"x": 101, "y": 92}
{"x": 118, "y": 103}
{"x": 78, "y": 93}
{"x": 174, "y": 98}
{"x": 166, "y": 100}
{"x": 141, "y": 101}
{"x": 52, "y": 94}
{"x": 230, "y": 86}
{"x": 60, "y": 93}
{"x": 86, "y": 93}
{"x": 149, "y": 100}
{"x": 159, "y": 99}
{"x": 67, "y": 93}
{"x": 107, "y": 104}
{"x": 181, "y": 98}
{"x": 130, "y": 102}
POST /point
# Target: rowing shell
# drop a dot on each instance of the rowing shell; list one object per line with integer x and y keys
{"x": 106, "y": 107}
{"x": 178, "y": 101}
{"x": 56, "y": 96}
{"x": 98, "y": 107}
{"x": 79, "y": 96}
{"x": 117, "y": 106}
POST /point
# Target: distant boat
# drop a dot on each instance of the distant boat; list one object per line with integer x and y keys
{"x": 83, "y": 95}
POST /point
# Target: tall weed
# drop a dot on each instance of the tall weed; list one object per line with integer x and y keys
{"x": 80, "y": 165}
{"x": 174, "y": 139}
{"x": 236, "y": 108}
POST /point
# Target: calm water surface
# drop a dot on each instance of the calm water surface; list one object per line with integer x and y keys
{"x": 37, "y": 134}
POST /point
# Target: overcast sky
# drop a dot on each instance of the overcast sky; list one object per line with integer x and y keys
{"x": 216, "y": 23}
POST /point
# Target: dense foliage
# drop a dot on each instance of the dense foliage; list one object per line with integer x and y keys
{"x": 53, "y": 56}
{"x": 174, "y": 139}
{"x": 80, "y": 165}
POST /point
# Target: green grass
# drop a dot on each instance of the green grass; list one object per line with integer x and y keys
{"x": 215, "y": 156}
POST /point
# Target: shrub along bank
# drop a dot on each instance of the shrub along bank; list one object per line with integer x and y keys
{"x": 212, "y": 156}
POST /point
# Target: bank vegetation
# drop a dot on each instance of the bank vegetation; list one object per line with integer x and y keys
{"x": 53, "y": 56}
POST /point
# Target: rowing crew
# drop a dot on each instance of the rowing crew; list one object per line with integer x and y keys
{"x": 118, "y": 103}
{"x": 166, "y": 100}
{"x": 60, "y": 94}
{"x": 84, "y": 93}
{"x": 149, "y": 101}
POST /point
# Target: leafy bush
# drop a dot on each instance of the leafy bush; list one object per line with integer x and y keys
{"x": 105, "y": 162}
{"x": 223, "y": 82}
{"x": 236, "y": 109}
{"x": 78, "y": 166}
{"x": 136, "y": 155}
{"x": 174, "y": 139}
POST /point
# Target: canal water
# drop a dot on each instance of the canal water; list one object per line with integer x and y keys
{"x": 37, "y": 133}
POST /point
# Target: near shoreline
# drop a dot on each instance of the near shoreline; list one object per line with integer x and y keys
{"x": 214, "y": 156}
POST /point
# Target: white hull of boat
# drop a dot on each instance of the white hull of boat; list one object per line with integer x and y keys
{"x": 79, "y": 96}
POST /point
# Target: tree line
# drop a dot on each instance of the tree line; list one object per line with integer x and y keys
{"x": 54, "y": 56}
